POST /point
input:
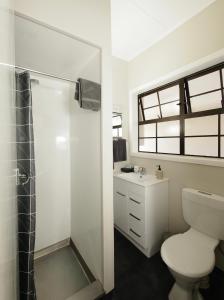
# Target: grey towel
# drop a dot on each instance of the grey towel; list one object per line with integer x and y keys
{"x": 119, "y": 150}
{"x": 88, "y": 93}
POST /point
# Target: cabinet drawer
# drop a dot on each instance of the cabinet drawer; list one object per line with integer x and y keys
{"x": 120, "y": 186}
{"x": 135, "y": 197}
{"x": 136, "y": 234}
{"x": 136, "y": 224}
{"x": 136, "y": 190}
{"x": 137, "y": 209}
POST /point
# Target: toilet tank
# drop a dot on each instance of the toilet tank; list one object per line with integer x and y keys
{"x": 204, "y": 212}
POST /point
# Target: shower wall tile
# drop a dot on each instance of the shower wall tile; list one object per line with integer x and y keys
{"x": 25, "y": 222}
{"x": 24, "y": 245}
{"x": 21, "y": 113}
{"x": 27, "y": 166}
{"x": 25, "y": 189}
{"x": 24, "y": 134}
{"x": 22, "y": 207}
{"x": 27, "y": 277}
{"x": 23, "y": 151}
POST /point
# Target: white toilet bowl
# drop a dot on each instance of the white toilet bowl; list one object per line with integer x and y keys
{"x": 185, "y": 288}
{"x": 190, "y": 257}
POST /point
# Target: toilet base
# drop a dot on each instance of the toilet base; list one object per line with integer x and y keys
{"x": 182, "y": 293}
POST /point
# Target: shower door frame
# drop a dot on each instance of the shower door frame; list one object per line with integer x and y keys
{"x": 107, "y": 229}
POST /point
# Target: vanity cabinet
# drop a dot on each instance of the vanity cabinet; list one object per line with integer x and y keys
{"x": 141, "y": 210}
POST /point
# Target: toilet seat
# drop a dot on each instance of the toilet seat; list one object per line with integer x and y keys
{"x": 190, "y": 254}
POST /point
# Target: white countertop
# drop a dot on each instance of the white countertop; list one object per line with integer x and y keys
{"x": 145, "y": 180}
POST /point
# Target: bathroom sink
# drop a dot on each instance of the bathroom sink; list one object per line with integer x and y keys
{"x": 144, "y": 180}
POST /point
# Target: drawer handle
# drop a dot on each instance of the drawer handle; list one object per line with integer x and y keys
{"x": 133, "y": 216}
{"x": 134, "y": 200}
{"x": 120, "y": 194}
{"x": 135, "y": 233}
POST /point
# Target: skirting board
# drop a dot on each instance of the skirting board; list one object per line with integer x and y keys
{"x": 82, "y": 262}
{"x": 48, "y": 250}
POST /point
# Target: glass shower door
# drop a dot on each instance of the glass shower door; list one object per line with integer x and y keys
{"x": 8, "y": 220}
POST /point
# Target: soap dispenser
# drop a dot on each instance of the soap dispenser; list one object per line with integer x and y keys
{"x": 159, "y": 173}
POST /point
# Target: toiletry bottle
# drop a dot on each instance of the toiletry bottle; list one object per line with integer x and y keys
{"x": 136, "y": 169}
{"x": 159, "y": 173}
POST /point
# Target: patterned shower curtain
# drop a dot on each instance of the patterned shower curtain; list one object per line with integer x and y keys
{"x": 25, "y": 186}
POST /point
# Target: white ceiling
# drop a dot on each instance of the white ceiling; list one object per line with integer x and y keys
{"x": 138, "y": 24}
{"x": 45, "y": 50}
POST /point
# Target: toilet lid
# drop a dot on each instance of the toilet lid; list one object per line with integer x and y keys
{"x": 190, "y": 254}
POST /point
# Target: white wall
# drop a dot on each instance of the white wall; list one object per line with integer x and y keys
{"x": 91, "y": 69}
{"x": 120, "y": 99}
{"x": 8, "y": 218}
{"x": 90, "y": 21}
{"x": 51, "y": 118}
{"x": 86, "y": 221}
{"x": 120, "y": 89}
{"x": 197, "y": 39}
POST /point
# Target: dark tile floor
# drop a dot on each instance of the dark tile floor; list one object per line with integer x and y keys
{"x": 140, "y": 278}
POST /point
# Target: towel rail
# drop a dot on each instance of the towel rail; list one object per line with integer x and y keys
{"x": 46, "y": 74}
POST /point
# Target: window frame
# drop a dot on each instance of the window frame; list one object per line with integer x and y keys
{"x": 185, "y": 111}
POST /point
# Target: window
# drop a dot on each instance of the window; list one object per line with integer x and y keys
{"x": 117, "y": 124}
{"x": 185, "y": 117}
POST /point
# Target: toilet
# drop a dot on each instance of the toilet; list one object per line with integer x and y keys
{"x": 190, "y": 256}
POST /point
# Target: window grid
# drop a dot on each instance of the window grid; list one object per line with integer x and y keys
{"x": 222, "y": 85}
{"x": 185, "y": 111}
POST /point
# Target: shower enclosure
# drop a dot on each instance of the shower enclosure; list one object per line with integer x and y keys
{"x": 58, "y": 165}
